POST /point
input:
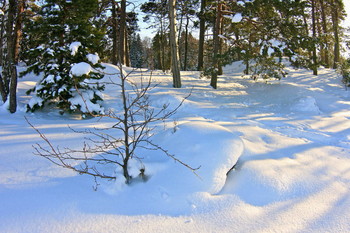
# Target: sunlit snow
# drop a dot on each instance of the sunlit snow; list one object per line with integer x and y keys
{"x": 291, "y": 139}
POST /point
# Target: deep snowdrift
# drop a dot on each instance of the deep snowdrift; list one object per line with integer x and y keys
{"x": 291, "y": 139}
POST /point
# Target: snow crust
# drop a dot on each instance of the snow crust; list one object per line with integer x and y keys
{"x": 289, "y": 139}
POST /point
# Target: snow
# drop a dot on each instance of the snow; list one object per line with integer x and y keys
{"x": 291, "y": 139}
{"x": 73, "y": 47}
{"x": 81, "y": 68}
{"x": 93, "y": 58}
{"x": 237, "y": 18}
{"x": 83, "y": 100}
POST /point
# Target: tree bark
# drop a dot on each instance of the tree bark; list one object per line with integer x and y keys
{"x": 175, "y": 64}
{"x": 201, "y": 36}
{"x": 186, "y": 42}
{"x": 325, "y": 32}
{"x": 126, "y": 50}
{"x": 9, "y": 72}
{"x": 114, "y": 58}
{"x": 314, "y": 54}
{"x": 216, "y": 39}
{"x": 18, "y": 29}
{"x": 335, "y": 21}
{"x": 122, "y": 32}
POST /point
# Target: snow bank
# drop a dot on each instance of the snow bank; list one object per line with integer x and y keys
{"x": 306, "y": 104}
{"x": 212, "y": 147}
{"x": 293, "y": 175}
{"x": 171, "y": 187}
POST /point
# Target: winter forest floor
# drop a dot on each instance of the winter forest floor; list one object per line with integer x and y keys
{"x": 291, "y": 139}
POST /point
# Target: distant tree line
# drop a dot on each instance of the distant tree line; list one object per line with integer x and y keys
{"x": 257, "y": 32}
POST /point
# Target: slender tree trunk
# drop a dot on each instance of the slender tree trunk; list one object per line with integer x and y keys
{"x": 325, "y": 32}
{"x": 175, "y": 64}
{"x": 18, "y": 29}
{"x": 127, "y": 51}
{"x": 126, "y": 131}
{"x": 186, "y": 42}
{"x": 335, "y": 21}
{"x": 314, "y": 54}
{"x": 114, "y": 58}
{"x": 122, "y": 32}
{"x": 201, "y": 36}
{"x": 216, "y": 39}
{"x": 220, "y": 70}
{"x": 2, "y": 29}
{"x": 319, "y": 33}
{"x": 159, "y": 53}
{"x": 9, "y": 73}
{"x": 179, "y": 32}
{"x": 162, "y": 44}
{"x": 4, "y": 84}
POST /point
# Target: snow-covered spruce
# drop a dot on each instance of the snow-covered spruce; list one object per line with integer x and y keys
{"x": 70, "y": 79}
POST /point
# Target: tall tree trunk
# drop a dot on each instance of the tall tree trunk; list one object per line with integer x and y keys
{"x": 2, "y": 31}
{"x": 220, "y": 70}
{"x": 335, "y": 21}
{"x": 201, "y": 36}
{"x": 114, "y": 58}
{"x": 162, "y": 44}
{"x": 9, "y": 73}
{"x": 175, "y": 64}
{"x": 314, "y": 54}
{"x": 216, "y": 39}
{"x": 18, "y": 29}
{"x": 325, "y": 32}
{"x": 179, "y": 32}
{"x": 126, "y": 51}
{"x": 186, "y": 42}
{"x": 122, "y": 32}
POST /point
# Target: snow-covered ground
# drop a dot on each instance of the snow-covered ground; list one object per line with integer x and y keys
{"x": 291, "y": 139}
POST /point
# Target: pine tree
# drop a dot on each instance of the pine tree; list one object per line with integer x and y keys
{"x": 66, "y": 22}
{"x": 66, "y": 42}
{"x": 69, "y": 81}
{"x": 136, "y": 51}
{"x": 157, "y": 15}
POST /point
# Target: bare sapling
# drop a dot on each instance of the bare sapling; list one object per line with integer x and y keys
{"x": 131, "y": 128}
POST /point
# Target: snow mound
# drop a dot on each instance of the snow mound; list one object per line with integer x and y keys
{"x": 81, "y": 68}
{"x": 171, "y": 101}
{"x": 262, "y": 182}
{"x": 211, "y": 147}
{"x": 306, "y": 104}
{"x": 171, "y": 187}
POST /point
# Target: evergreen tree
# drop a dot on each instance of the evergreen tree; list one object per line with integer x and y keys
{"x": 136, "y": 51}
{"x": 115, "y": 26}
{"x": 156, "y": 14}
{"x": 66, "y": 22}
{"x": 66, "y": 40}
{"x": 69, "y": 79}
